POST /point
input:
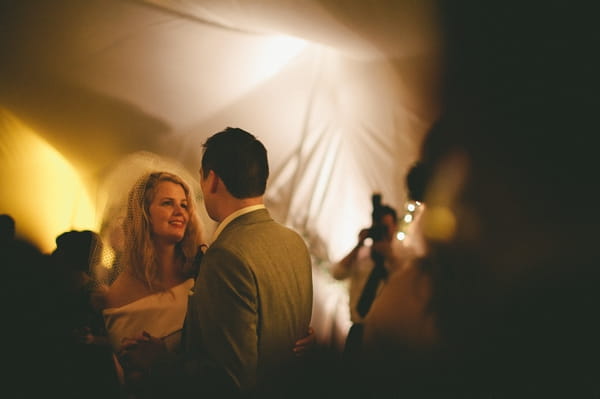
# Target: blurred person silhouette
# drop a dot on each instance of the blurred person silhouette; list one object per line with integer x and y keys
{"x": 503, "y": 304}
{"x": 398, "y": 326}
{"x": 253, "y": 295}
{"x": 7, "y": 228}
{"x": 33, "y": 349}
{"x": 75, "y": 258}
{"x": 86, "y": 353}
{"x": 416, "y": 183}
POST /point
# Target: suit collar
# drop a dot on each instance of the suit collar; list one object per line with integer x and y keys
{"x": 234, "y": 216}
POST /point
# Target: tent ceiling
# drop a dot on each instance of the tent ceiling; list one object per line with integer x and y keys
{"x": 341, "y": 100}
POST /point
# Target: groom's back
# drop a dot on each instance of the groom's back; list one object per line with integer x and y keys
{"x": 258, "y": 276}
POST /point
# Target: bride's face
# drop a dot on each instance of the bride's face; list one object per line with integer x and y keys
{"x": 169, "y": 213}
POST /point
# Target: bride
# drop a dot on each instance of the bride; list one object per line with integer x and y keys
{"x": 161, "y": 243}
{"x": 162, "y": 240}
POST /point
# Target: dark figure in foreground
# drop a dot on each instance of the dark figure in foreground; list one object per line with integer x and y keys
{"x": 508, "y": 288}
{"x": 85, "y": 351}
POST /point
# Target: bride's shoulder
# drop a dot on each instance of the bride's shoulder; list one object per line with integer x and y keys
{"x": 125, "y": 289}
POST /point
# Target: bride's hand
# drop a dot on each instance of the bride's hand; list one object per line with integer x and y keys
{"x": 142, "y": 352}
{"x": 305, "y": 345}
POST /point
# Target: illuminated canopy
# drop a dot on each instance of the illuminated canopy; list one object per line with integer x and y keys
{"x": 340, "y": 93}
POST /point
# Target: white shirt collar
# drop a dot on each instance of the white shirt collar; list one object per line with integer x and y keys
{"x": 234, "y": 215}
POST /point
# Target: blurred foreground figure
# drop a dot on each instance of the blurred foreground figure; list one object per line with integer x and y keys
{"x": 84, "y": 345}
{"x": 504, "y": 304}
{"x": 7, "y": 228}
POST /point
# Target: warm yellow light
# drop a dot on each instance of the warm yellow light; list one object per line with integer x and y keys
{"x": 41, "y": 190}
{"x": 439, "y": 223}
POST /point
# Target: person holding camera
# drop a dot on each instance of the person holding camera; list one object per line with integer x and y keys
{"x": 366, "y": 267}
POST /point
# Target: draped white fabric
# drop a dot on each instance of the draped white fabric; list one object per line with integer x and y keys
{"x": 340, "y": 93}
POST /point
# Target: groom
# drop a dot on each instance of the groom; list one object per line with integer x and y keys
{"x": 253, "y": 295}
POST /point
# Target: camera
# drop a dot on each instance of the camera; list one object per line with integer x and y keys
{"x": 377, "y": 231}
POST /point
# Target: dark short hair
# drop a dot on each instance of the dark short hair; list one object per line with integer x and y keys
{"x": 417, "y": 179}
{"x": 76, "y": 249}
{"x": 239, "y": 159}
{"x": 7, "y": 227}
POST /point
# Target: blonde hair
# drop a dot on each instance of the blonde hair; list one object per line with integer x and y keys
{"x": 139, "y": 253}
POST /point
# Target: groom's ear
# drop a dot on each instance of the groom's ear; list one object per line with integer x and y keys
{"x": 213, "y": 181}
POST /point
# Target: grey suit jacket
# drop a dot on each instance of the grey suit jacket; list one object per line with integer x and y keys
{"x": 252, "y": 300}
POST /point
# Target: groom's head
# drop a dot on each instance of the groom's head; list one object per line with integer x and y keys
{"x": 239, "y": 159}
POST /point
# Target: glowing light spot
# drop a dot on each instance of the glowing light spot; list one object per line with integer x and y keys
{"x": 439, "y": 224}
{"x": 408, "y": 218}
{"x": 277, "y": 52}
{"x": 401, "y": 235}
{"x": 411, "y": 207}
{"x": 108, "y": 257}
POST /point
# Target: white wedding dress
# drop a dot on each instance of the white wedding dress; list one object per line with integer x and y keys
{"x": 161, "y": 315}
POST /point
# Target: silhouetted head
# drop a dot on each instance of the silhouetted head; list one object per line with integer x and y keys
{"x": 77, "y": 250}
{"x": 7, "y": 227}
